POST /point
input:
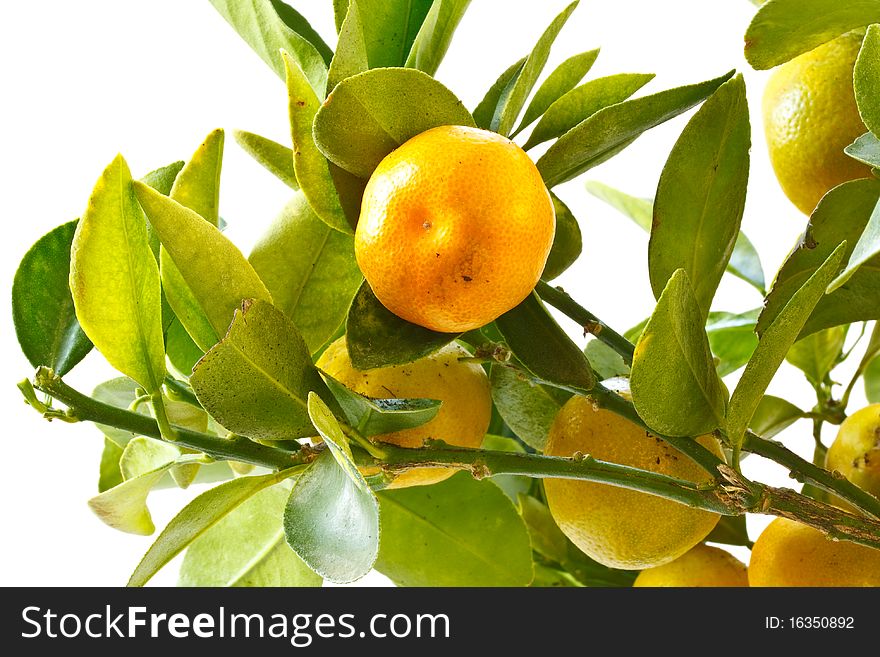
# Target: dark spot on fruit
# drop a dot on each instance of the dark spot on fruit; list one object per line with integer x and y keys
{"x": 467, "y": 279}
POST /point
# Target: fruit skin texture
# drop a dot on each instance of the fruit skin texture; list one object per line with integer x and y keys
{"x": 703, "y": 566}
{"x": 455, "y": 228}
{"x": 855, "y": 452}
{"x": 788, "y": 553}
{"x": 463, "y": 389}
{"x": 618, "y": 527}
{"x": 810, "y": 116}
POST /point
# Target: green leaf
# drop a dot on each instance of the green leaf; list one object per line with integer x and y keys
{"x": 774, "y": 344}
{"x": 309, "y": 269}
{"x": 390, "y": 28}
{"x": 143, "y": 455}
{"x": 376, "y": 337}
{"x": 199, "y": 516}
{"x": 866, "y": 249}
{"x": 247, "y": 548}
{"x": 730, "y": 530}
{"x": 511, "y": 104}
{"x": 269, "y": 26}
{"x": 370, "y": 114}
{"x": 872, "y": 381}
{"x": 350, "y": 57}
{"x": 870, "y": 364}
{"x": 640, "y": 210}
{"x": 328, "y": 426}
{"x": 818, "y": 353}
{"x": 182, "y": 352}
{"x": 373, "y": 417}
{"x": 256, "y": 380}
{"x": 196, "y": 187}
{"x": 744, "y": 261}
{"x": 277, "y": 159}
{"x": 310, "y": 166}
{"x": 109, "y": 475}
{"x": 42, "y": 306}
{"x": 543, "y": 347}
{"x": 866, "y": 78}
{"x": 865, "y": 149}
{"x": 582, "y": 102}
{"x": 119, "y": 392}
{"x": 841, "y": 215}
{"x": 459, "y": 532}
{"x": 142, "y": 464}
{"x": 773, "y": 415}
{"x": 484, "y": 112}
{"x": 610, "y": 130}
{"x": 732, "y": 339}
{"x": 332, "y": 523}
{"x": 526, "y": 407}
{"x": 114, "y": 280}
{"x": 162, "y": 180}
{"x": 675, "y": 387}
{"x": 702, "y": 194}
{"x": 435, "y": 34}
{"x": 546, "y": 537}
{"x": 298, "y": 23}
{"x": 784, "y": 29}
{"x": 562, "y": 80}
{"x": 340, "y": 7}
{"x": 606, "y": 362}
{"x": 567, "y": 242}
{"x": 215, "y": 271}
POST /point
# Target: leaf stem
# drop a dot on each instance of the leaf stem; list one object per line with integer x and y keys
{"x": 180, "y": 391}
{"x": 560, "y": 300}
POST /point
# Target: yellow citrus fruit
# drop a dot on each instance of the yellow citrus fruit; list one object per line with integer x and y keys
{"x": 463, "y": 389}
{"x": 810, "y": 116}
{"x": 703, "y": 565}
{"x": 455, "y": 228}
{"x": 618, "y": 527}
{"x": 788, "y": 553}
{"x": 855, "y": 452}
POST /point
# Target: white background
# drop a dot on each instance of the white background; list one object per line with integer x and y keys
{"x": 84, "y": 80}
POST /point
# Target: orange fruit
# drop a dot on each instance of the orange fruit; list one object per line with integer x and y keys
{"x": 810, "y": 116}
{"x": 617, "y": 527}
{"x": 788, "y": 553}
{"x": 455, "y": 228}
{"x": 462, "y": 387}
{"x": 855, "y": 452}
{"x": 701, "y": 566}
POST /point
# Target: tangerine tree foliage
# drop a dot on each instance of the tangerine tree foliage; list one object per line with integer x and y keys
{"x": 216, "y": 350}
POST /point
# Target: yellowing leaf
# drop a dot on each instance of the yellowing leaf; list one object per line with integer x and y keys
{"x": 114, "y": 280}
{"x": 216, "y": 272}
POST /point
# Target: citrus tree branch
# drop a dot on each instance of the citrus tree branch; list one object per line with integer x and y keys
{"x": 557, "y": 298}
{"x": 803, "y": 471}
{"x": 82, "y": 407}
{"x": 729, "y": 493}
